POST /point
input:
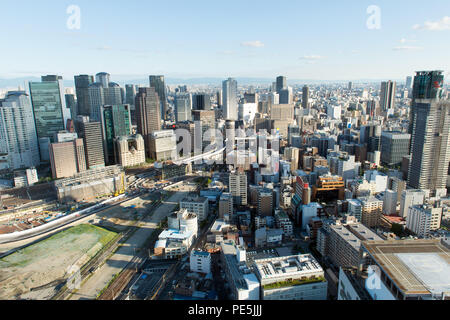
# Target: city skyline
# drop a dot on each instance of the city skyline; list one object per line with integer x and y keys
{"x": 240, "y": 40}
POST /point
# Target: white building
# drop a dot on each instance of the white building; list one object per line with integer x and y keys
{"x": 196, "y": 205}
{"x": 390, "y": 202}
{"x": 163, "y": 145}
{"x": 309, "y": 211}
{"x": 298, "y": 277}
{"x": 378, "y": 179}
{"x": 334, "y": 112}
{"x": 410, "y": 198}
{"x": 422, "y": 219}
{"x": 130, "y": 150}
{"x": 25, "y": 178}
{"x": 18, "y": 136}
{"x": 247, "y": 112}
{"x": 200, "y": 261}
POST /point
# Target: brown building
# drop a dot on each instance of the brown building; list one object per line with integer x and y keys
{"x": 67, "y": 158}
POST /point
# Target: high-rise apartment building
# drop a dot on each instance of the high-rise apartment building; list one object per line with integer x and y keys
{"x": 238, "y": 187}
{"x": 422, "y": 219}
{"x": 430, "y": 133}
{"x": 17, "y": 131}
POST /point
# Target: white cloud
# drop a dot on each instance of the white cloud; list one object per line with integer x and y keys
{"x": 311, "y": 57}
{"x": 440, "y": 25}
{"x": 254, "y": 44}
{"x": 407, "y": 48}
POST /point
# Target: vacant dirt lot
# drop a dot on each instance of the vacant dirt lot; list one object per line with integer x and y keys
{"x": 50, "y": 261}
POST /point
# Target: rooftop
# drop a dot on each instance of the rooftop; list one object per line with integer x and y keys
{"x": 295, "y": 266}
{"x": 417, "y": 267}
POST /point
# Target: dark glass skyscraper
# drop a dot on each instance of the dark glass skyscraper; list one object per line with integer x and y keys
{"x": 116, "y": 122}
{"x": 158, "y": 83}
{"x": 281, "y": 83}
{"x": 82, "y": 83}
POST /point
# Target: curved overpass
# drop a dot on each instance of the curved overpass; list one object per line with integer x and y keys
{"x": 22, "y": 235}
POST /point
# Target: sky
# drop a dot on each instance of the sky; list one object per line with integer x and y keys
{"x": 317, "y": 40}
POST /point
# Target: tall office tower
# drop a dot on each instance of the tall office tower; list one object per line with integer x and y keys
{"x": 103, "y": 92}
{"x": 201, "y": 101}
{"x": 158, "y": 83}
{"x": 116, "y": 122}
{"x": 71, "y": 104}
{"x": 237, "y": 186}
{"x": 305, "y": 97}
{"x": 183, "y": 110}
{"x": 93, "y": 144}
{"x": 17, "y": 131}
{"x": 430, "y": 138}
{"x": 103, "y": 79}
{"x": 230, "y": 100}
{"x": 394, "y": 145}
{"x": 130, "y": 96}
{"x": 408, "y": 82}
{"x": 251, "y": 97}
{"x": 219, "y": 98}
{"x": 67, "y": 158}
{"x": 147, "y": 114}
{"x": 49, "y": 109}
{"x": 285, "y": 96}
{"x": 350, "y": 86}
{"x": 281, "y": 83}
{"x": 387, "y": 95}
{"x": 82, "y": 83}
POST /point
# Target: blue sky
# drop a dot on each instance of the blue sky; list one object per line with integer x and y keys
{"x": 320, "y": 40}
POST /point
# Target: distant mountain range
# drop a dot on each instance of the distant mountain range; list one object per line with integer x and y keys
{"x": 15, "y": 82}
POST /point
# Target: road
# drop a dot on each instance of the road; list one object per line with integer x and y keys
{"x": 118, "y": 261}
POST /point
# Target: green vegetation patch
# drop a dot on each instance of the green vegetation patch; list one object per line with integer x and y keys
{"x": 77, "y": 240}
{"x": 296, "y": 282}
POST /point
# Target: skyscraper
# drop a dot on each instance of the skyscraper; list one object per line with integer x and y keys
{"x": 17, "y": 131}
{"x": 49, "y": 109}
{"x": 158, "y": 83}
{"x": 230, "y": 103}
{"x": 430, "y": 127}
{"x": 201, "y": 101}
{"x": 147, "y": 114}
{"x": 82, "y": 83}
{"x": 103, "y": 92}
{"x": 305, "y": 97}
{"x": 281, "y": 83}
{"x": 387, "y": 95}
{"x": 183, "y": 110}
{"x": 116, "y": 122}
{"x": 93, "y": 144}
{"x": 408, "y": 82}
{"x": 130, "y": 96}
{"x": 238, "y": 187}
